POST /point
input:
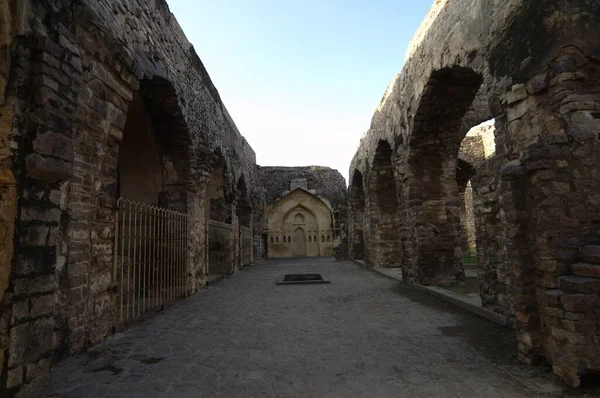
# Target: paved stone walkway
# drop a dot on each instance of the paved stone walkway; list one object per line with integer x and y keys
{"x": 364, "y": 335}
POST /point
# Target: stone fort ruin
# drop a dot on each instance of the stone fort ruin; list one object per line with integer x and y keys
{"x": 125, "y": 184}
{"x": 533, "y": 67}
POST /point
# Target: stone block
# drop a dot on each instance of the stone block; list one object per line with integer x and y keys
{"x": 35, "y": 388}
{"x": 537, "y": 84}
{"x": 574, "y": 316}
{"x": 100, "y": 282}
{"x": 47, "y": 168}
{"x": 518, "y": 93}
{"x": 28, "y": 264}
{"x": 579, "y": 284}
{"x": 579, "y": 326}
{"x": 20, "y": 311}
{"x": 28, "y": 342}
{"x": 35, "y": 235}
{"x": 579, "y": 302}
{"x": 43, "y": 305}
{"x": 586, "y": 270}
{"x": 39, "y": 284}
{"x": 46, "y": 215}
{"x": 38, "y": 369}
{"x": 14, "y": 377}
{"x": 590, "y": 254}
{"x": 571, "y": 337}
{"x": 554, "y": 312}
{"x": 56, "y": 145}
{"x": 551, "y": 297}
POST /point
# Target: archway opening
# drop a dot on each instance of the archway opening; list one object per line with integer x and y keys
{"x": 243, "y": 207}
{"x": 433, "y": 206}
{"x": 152, "y": 184}
{"x": 140, "y": 170}
{"x": 219, "y": 216}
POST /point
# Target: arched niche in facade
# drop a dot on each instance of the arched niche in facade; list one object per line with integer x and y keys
{"x": 302, "y": 216}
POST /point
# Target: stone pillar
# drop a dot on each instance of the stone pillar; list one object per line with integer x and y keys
{"x": 384, "y": 240}
{"x": 42, "y": 168}
{"x": 490, "y": 239}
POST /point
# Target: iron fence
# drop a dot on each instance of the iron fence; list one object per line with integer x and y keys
{"x": 149, "y": 265}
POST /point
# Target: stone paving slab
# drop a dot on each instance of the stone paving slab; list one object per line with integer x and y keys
{"x": 468, "y": 302}
{"x": 363, "y": 335}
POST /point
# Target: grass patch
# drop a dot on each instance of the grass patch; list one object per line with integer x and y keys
{"x": 470, "y": 260}
{"x": 467, "y": 286}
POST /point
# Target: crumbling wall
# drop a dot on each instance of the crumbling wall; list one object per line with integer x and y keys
{"x": 75, "y": 68}
{"x": 536, "y": 197}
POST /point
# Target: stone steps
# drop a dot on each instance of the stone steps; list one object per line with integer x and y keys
{"x": 586, "y": 269}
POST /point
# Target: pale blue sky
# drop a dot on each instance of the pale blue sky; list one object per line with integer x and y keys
{"x": 301, "y": 79}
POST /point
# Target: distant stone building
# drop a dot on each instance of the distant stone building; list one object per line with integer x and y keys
{"x": 300, "y": 224}
{"x": 323, "y": 193}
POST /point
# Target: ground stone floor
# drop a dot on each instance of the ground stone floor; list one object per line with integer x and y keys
{"x": 363, "y": 335}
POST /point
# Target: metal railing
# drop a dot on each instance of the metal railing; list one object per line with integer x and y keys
{"x": 245, "y": 246}
{"x": 149, "y": 266}
{"x": 220, "y": 248}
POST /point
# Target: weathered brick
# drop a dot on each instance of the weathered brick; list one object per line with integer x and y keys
{"x": 579, "y": 302}
{"x": 46, "y": 215}
{"x": 586, "y": 269}
{"x": 48, "y": 168}
{"x": 43, "y": 305}
{"x": 14, "y": 377}
{"x": 54, "y": 144}
{"x": 579, "y": 284}
{"x": 551, "y": 297}
{"x": 30, "y": 341}
{"x": 590, "y": 254}
{"x": 39, "y": 369}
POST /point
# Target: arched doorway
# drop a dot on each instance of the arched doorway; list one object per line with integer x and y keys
{"x": 432, "y": 193}
{"x": 299, "y": 243}
{"x": 151, "y": 224}
{"x": 139, "y": 171}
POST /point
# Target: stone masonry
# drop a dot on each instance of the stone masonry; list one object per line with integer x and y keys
{"x": 105, "y": 99}
{"x": 533, "y": 68}
{"x": 101, "y": 102}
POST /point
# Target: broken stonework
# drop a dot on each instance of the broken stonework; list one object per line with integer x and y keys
{"x": 535, "y": 194}
{"x": 107, "y": 114}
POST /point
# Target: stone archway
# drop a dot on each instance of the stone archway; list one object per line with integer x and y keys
{"x": 139, "y": 171}
{"x": 432, "y": 196}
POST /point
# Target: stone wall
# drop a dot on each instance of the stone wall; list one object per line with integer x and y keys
{"x": 75, "y": 69}
{"x": 535, "y": 198}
